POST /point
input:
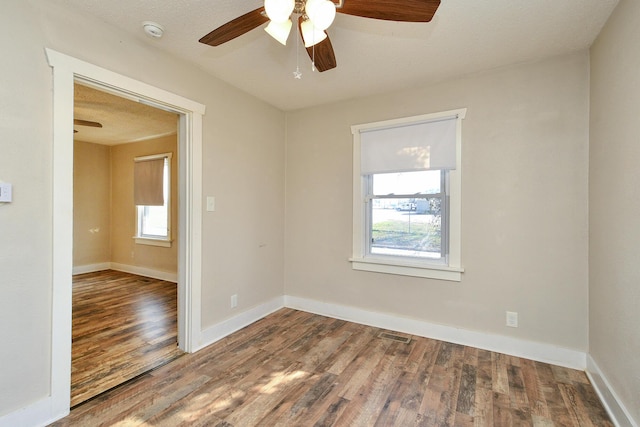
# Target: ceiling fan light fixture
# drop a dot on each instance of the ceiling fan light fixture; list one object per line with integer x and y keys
{"x": 279, "y": 30}
{"x": 310, "y": 34}
{"x": 321, "y": 13}
{"x": 279, "y": 10}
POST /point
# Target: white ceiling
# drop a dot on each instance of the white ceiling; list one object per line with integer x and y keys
{"x": 373, "y": 56}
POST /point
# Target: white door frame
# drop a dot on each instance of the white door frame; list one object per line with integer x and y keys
{"x": 67, "y": 70}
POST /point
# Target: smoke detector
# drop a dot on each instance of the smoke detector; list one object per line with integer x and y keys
{"x": 153, "y": 29}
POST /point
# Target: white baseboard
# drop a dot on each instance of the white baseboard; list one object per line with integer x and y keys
{"x": 91, "y": 268}
{"x": 133, "y": 269}
{"x": 147, "y": 272}
{"x": 229, "y": 326}
{"x": 515, "y": 347}
{"x": 38, "y": 414}
{"x": 615, "y": 408}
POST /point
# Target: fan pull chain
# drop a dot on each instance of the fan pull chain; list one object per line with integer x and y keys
{"x": 313, "y": 53}
{"x": 297, "y": 74}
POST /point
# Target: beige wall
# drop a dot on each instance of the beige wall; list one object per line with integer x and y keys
{"x": 103, "y": 210}
{"x": 614, "y": 201}
{"x": 124, "y": 249}
{"x": 524, "y": 204}
{"x": 91, "y": 204}
{"x": 25, "y": 224}
{"x": 243, "y": 166}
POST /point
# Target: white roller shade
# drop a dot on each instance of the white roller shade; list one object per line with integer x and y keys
{"x": 409, "y": 147}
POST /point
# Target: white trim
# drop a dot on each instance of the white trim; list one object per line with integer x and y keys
{"x": 400, "y": 267}
{"x": 62, "y": 243}
{"x": 190, "y": 224}
{"x": 66, "y": 70}
{"x": 120, "y": 85}
{"x": 541, "y": 352}
{"x": 610, "y": 400}
{"x": 360, "y": 260}
{"x": 133, "y": 269}
{"x": 429, "y": 117}
{"x": 227, "y": 327}
{"x": 91, "y": 268}
{"x": 162, "y": 242}
{"x": 147, "y": 272}
{"x": 40, "y": 413}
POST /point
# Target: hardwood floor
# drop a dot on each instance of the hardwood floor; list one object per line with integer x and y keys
{"x": 123, "y": 325}
{"x": 298, "y": 369}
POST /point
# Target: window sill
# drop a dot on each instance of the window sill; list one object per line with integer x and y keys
{"x": 407, "y": 268}
{"x": 153, "y": 242}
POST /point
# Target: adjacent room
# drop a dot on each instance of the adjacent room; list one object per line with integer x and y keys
{"x": 423, "y": 214}
{"x": 125, "y": 252}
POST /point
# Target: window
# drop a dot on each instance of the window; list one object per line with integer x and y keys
{"x": 407, "y": 196}
{"x": 405, "y": 214}
{"x": 152, "y": 195}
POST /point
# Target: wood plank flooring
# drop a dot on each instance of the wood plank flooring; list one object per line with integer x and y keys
{"x": 298, "y": 369}
{"x": 123, "y": 325}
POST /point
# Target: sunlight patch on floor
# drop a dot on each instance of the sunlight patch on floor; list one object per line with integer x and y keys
{"x": 281, "y": 379}
{"x": 131, "y": 422}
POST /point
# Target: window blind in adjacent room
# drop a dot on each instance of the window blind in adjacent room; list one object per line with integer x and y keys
{"x": 148, "y": 181}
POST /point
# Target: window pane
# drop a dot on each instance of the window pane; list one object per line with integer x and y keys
{"x": 410, "y": 228}
{"x": 154, "y": 221}
{"x": 422, "y": 182}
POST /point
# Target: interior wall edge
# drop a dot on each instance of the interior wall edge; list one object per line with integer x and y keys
{"x": 222, "y": 329}
{"x": 610, "y": 400}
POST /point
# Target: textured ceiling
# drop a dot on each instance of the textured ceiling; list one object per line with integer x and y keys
{"x": 122, "y": 120}
{"x": 465, "y": 36}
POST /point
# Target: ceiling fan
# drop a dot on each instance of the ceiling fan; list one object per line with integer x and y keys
{"x": 314, "y": 17}
{"x": 79, "y": 122}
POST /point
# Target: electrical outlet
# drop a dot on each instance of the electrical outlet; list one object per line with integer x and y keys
{"x": 234, "y": 300}
{"x": 512, "y": 319}
{"x": 6, "y": 192}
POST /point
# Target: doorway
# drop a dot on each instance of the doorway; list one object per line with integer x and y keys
{"x": 124, "y": 302}
{"x": 66, "y": 71}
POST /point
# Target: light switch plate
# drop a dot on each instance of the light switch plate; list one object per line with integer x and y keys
{"x": 5, "y": 192}
{"x": 211, "y": 203}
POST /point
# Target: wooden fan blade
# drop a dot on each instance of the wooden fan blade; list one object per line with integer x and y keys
{"x": 235, "y": 28}
{"x": 86, "y": 123}
{"x": 321, "y": 54}
{"x": 391, "y": 10}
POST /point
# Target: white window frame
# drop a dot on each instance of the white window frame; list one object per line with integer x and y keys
{"x": 142, "y": 239}
{"x": 361, "y": 259}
